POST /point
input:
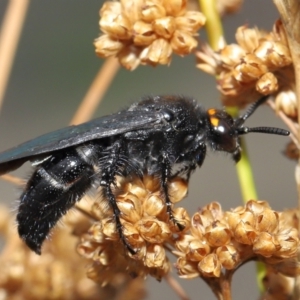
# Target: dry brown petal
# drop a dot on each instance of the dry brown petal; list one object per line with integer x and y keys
{"x": 232, "y": 54}
{"x": 274, "y": 54}
{"x": 116, "y": 25}
{"x": 159, "y": 52}
{"x": 267, "y": 221}
{"x": 106, "y": 46}
{"x": 210, "y": 266}
{"x": 186, "y": 269}
{"x": 190, "y": 22}
{"x": 207, "y": 59}
{"x": 155, "y": 256}
{"x": 164, "y": 27}
{"x": 153, "y": 206}
{"x": 233, "y": 218}
{"x": 153, "y": 230}
{"x": 175, "y": 7}
{"x": 144, "y": 34}
{"x": 217, "y": 234}
{"x": 110, "y": 7}
{"x": 132, "y": 9}
{"x": 182, "y": 217}
{"x": 215, "y": 209}
{"x": 109, "y": 228}
{"x": 202, "y": 220}
{"x": 96, "y": 232}
{"x": 152, "y": 10}
{"x": 129, "y": 57}
{"x": 289, "y": 242}
{"x": 250, "y": 69}
{"x": 197, "y": 250}
{"x": 178, "y": 189}
{"x": 244, "y": 233}
{"x": 267, "y": 84}
{"x": 183, "y": 43}
{"x": 265, "y": 244}
{"x": 135, "y": 187}
{"x": 228, "y": 256}
{"x": 183, "y": 243}
{"x": 280, "y": 56}
{"x": 88, "y": 248}
{"x": 278, "y": 32}
{"x": 152, "y": 184}
{"x": 257, "y": 207}
{"x": 130, "y": 207}
{"x": 132, "y": 235}
{"x": 286, "y": 101}
{"x": 248, "y": 38}
{"x": 229, "y": 86}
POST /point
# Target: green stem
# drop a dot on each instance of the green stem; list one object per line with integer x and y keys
{"x": 244, "y": 171}
{"x": 213, "y": 23}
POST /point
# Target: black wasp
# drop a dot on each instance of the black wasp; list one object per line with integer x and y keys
{"x": 163, "y": 136}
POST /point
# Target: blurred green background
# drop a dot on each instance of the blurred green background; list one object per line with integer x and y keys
{"x": 54, "y": 67}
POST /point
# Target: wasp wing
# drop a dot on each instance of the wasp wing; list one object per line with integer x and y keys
{"x": 111, "y": 125}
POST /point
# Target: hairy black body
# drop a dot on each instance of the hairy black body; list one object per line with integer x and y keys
{"x": 164, "y": 136}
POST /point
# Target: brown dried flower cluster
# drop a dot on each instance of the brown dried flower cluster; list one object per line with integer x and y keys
{"x": 225, "y": 240}
{"x": 147, "y": 31}
{"x": 60, "y": 272}
{"x": 259, "y": 64}
{"x": 146, "y": 226}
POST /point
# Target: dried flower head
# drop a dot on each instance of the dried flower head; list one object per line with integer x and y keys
{"x": 146, "y": 226}
{"x": 58, "y": 274}
{"x": 147, "y": 31}
{"x": 259, "y": 64}
{"x": 226, "y": 240}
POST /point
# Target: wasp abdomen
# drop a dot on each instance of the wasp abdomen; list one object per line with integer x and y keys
{"x": 53, "y": 189}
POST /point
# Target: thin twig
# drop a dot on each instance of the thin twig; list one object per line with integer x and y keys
{"x": 96, "y": 91}
{"x": 13, "y": 179}
{"x": 9, "y": 37}
{"x": 174, "y": 284}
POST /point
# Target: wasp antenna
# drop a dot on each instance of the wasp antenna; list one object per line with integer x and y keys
{"x": 240, "y": 121}
{"x": 268, "y": 130}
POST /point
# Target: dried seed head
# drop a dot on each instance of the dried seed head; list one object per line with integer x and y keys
{"x": 147, "y": 32}
{"x": 218, "y": 239}
{"x": 259, "y": 63}
{"x": 145, "y": 225}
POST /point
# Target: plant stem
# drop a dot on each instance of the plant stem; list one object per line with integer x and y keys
{"x": 9, "y": 37}
{"x": 96, "y": 91}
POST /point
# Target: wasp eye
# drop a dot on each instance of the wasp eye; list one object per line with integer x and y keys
{"x": 223, "y": 134}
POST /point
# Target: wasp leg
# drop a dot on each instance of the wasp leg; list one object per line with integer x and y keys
{"x": 53, "y": 189}
{"x": 165, "y": 176}
{"x": 110, "y": 168}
